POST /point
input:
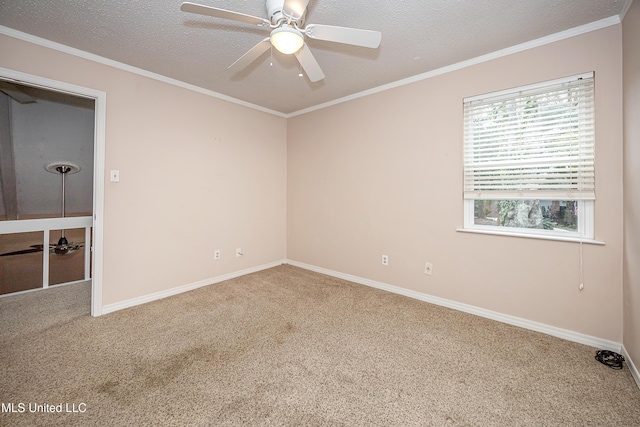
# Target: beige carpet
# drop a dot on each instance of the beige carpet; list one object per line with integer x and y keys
{"x": 289, "y": 347}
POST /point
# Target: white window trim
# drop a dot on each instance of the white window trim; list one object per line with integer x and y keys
{"x": 583, "y": 235}
{"x": 586, "y": 208}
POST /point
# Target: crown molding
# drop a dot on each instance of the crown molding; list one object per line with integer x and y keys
{"x": 135, "y": 70}
{"x": 625, "y": 9}
{"x": 572, "y": 32}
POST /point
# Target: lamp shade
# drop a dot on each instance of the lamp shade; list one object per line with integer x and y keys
{"x": 286, "y": 39}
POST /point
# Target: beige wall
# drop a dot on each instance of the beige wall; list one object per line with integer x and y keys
{"x": 631, "y": 293}
{"x": 197, "y": 174}
{"x": 383, "y": 175}
{"x": 380, "y": 174}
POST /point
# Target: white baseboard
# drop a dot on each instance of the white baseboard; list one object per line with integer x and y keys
{"x": 110, "y": 308}
{"x": 482, "y": 312}
{"x": 632, "y": 367}
{"x": 493, "y": 315}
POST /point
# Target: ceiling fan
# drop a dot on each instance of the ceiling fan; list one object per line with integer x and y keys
{"x": 63, "y": 246}
{"x": 288, "y": 31}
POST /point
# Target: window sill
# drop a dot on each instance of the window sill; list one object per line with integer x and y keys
{"x": 531, "y": 236}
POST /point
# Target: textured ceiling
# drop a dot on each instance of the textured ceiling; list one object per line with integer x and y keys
{"x": 417, "y": 36}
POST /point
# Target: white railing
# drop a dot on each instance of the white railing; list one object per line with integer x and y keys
{"x": 46, "y": 225}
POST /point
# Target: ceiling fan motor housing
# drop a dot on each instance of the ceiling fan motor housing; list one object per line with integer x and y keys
{"x": 274, "y": 12}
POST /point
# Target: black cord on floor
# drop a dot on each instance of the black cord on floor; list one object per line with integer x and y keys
{"x": 610, "y": 358}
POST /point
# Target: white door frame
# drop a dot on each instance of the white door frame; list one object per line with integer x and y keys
{"x": 98, "y": 166}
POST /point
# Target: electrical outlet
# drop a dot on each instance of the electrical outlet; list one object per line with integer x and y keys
{"x": 216, "y": 255}
{"x": 239, "y": 252}
{"x": 385, "y": 259}
{"x": 428, "y": 268}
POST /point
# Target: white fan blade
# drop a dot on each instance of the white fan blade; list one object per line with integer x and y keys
{"x": 294, "y": 9}
{"x": 309, "y": 64}
{"x": 253, "y": 54}
{"x": 222, "y": 13}
{"x": 353, "y": 36}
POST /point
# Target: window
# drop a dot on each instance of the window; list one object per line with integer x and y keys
{"x": 529, "y": 160}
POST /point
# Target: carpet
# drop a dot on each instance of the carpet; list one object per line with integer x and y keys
{"x": 291, "y": 347}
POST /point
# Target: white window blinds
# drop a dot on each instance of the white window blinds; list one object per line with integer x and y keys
{"x": 536, "y": 142}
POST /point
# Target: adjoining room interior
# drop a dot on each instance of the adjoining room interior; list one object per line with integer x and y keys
{"x": 254, "y": 204}
{"x": 40, "y": 128}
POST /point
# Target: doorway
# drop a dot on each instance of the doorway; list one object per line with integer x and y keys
{"x": 52, "y": 182}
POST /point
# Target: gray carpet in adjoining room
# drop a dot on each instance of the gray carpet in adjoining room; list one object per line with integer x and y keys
{"x": 290, "y": 347}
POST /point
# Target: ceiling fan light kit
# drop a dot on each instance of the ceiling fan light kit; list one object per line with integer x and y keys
{"x": 286, "y": 21}
{"x": 286, "y": 39}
